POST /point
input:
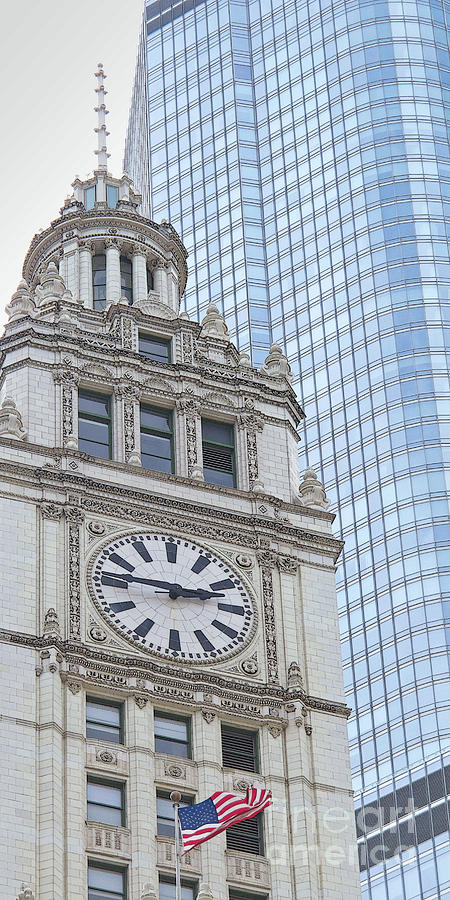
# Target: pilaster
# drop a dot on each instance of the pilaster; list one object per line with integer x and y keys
{"x": 141, "y": 793}
{"x": 113, "y": 290}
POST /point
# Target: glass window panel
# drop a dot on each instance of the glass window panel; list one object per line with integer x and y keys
{"x": 89, "y": 197}
{"x": 112, "y": 196}
{"x": 218, "y": 432}
{"x": 172, "y": 736}
{"x": 96, "y": 432}
{"x": 151, "y": 418}
{"x": 93, "y": 404}
{"x": 154, "y": 348}
{"x": 105, "y": 884}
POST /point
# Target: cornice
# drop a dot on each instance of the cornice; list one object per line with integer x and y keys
{"x": 124, "y": 672}
{"x": 145, "y": 504}
{"x": 200, "y": 374}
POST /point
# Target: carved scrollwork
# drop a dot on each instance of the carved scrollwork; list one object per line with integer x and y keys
{"x": 250, "y": 666}
{"x": 74, "y": 580}
{"x": 208, "y": 715}
{"x": 174, "y": 771}
{"x": 51, "y": 511}
{"x": 140, "y": 702}
{"x": 107, "y": 756}
{"x": 269, "y": 625}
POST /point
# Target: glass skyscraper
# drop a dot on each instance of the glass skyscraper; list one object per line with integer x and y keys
{"x": 301, "y": 150}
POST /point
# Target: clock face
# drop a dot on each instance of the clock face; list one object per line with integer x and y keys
{"x": 172, "y": 597}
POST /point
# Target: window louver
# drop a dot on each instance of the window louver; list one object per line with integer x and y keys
{"x": 239, "y": 749}
{"x": 245, "y": 836}
{"x": 218, "y": 458}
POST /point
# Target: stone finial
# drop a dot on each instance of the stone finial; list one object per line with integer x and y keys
{"x": 101, "y": 132}
{"x": 52, "y": 286}
{"x": 51, "y": 624}
{"x": 148, "y": 893}
{"x": 21, "y": 302}
{"x": 276, "y": 364}
{"x": 11, "y": 421}
{"x": 26, "y": 893}
{"x": 205, "y": 892}
{"x": 312, "y": 492}
{"x": 294, "y": 675}
{"x": 213, "y": 324}
{"x": 244, "y": 358}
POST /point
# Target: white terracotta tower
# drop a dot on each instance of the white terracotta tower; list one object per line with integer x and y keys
{"x": 168, "y": 591}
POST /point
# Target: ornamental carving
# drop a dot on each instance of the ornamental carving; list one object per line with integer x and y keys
{"x": 69, "y": 439}
{"x": 244, "y": 561}
{"x": 74, "y": 581}
{"x": 275, "y": 730}
{"x": 174, "y": 771}
{"x": 106, "y": 756}
{"x": 127, "y": 333}
{"x": 74, "y": 514}
{"x": 269, "y": 625}
{"x": 250, "y": 666}
{"x": 51, "y": 624}
{"x": 252, "y": 459}
{"x": 191, "y": 444}
{"x": 187, "y": 348}
{"x": 241, "y": 785}
{"x": 131, "y": 455}
{"x": 141, "y": 702}
{"x": 208, "y": 715}
{"x": 51, "y": 511}
{"x": 96, "y": 527}
{"x": 97, "y": 633}
{"x": 74, "y": 686}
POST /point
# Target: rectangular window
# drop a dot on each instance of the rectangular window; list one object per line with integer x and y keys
{"x": 104, "y": 721}
{"x": 126, "y": 278}
{"x": 99, "y": 280}
{"x": 156, "y": 439}
{"x": 240, "y": 749}
{"x": 218, "y": 453}
{"x": 106, "y": 883}
{"x": 167, "y": 889}
{"x": 112, "y": 196}
{"x": 172, "y": 735}
{"x": 94, "y": 424}
{"x": 89, "y": 197}
{"x": 165, "y": 813}
{"x": 246, "y": 836}
{"x": 105, "y": 802}
{"x": 154, "y": 347}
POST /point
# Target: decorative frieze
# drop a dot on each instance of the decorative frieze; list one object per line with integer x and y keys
{"x": 74, "y": 580}
{"x": 269, "y": 624}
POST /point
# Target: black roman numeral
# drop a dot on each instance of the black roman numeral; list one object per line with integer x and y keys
{"x": 121, "y": 607}
{"x": 140, "y": 547}
{"x": 229, "y": 607}
{"x": 114, "y": 582}
{"x": 201, "y": 564}
{"x": 230, "y": 632}
{"x": 143, "y": 629}
{"x": 115, "y": 558}
{"x": 222, "y": 585}
{"x": 203, "y": 640}
{"x": 171, "y": 553}
{"x": 174, "y": 639}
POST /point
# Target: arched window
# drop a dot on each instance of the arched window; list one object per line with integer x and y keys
{"x": 99, "y": 280}
{"x": 126, "y": 278}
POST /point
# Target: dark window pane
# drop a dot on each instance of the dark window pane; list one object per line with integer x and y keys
{"x": 157, "y": 464}
{"x": 167, "y": 889}
{"x": 217, "y": 432}
{"x": 172, "y": 736}
{"x": 103, "y": 722}
{"x": 436, "y": 785}
{"x": 160, "y": 421}
{"x": 423, "y": 827}
{"x": 105, "y": 884}
{"x": 440, "y": 819}
{"x": 105, "y": 803}
{"x": 154, "y": 348}
{"x": 420, "y": 794}
{"x": 93, "y": 404}
{"x": 98, "y": 432}
{"x": 126, "y": 278}
{"x": 156, "y": 445}
{"x": 212, "y": 476}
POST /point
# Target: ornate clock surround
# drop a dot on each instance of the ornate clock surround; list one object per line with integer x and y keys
{"x": 228, "y": 566}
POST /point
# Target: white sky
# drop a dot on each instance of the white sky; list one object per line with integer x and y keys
{"x": 49, "y": 52}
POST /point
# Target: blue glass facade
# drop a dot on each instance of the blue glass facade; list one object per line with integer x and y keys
{"x": 301, "y": 149}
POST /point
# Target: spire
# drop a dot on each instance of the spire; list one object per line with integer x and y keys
{"x": 101, "y": 131}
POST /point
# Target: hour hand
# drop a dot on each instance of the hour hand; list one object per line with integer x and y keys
{"x": 165, "y": 585}
{"x": 200, "y": 593}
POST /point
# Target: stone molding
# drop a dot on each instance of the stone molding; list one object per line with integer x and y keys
{"x": 85, "y": 665}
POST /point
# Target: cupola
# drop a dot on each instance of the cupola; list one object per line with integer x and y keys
{"x": 104, "y": 251}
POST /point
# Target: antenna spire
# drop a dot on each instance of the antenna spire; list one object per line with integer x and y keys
{"x": 102, "y": 112}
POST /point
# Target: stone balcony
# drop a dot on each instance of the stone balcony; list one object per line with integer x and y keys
{"x": 247, "y": 868}
{"x": 110, "y": 840}
{"x": 165, "y": 855}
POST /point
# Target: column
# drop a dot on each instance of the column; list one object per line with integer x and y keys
{"x": 160, "y": 283}
{"x": 207, "y": 752}
{"x": 113, "y": 291}
{"x": 85, "y": 280}
{"x": 141, "y": 794}
{"x": 139, "y": 274}
{"x": 50, "y": 778}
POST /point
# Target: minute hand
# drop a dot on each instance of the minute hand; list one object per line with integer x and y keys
{"x": 200, "y": 593}
{"x": 165, "y": 585}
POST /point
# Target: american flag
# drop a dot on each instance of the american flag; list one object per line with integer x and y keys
{"x": 204, "y": 820}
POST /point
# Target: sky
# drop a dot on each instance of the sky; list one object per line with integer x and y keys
{"x": 49, "y": 52}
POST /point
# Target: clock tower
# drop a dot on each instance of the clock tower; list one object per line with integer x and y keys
{"x": 169, "y": 616}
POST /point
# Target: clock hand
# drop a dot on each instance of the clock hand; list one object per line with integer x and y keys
{"x": 199, "y": 592}
{"x": 166, "y": 585}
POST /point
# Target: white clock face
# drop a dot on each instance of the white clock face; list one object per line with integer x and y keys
{"x": 172, "y": 597}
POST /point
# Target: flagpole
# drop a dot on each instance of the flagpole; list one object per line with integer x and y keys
{"x": 175, "y": 798}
